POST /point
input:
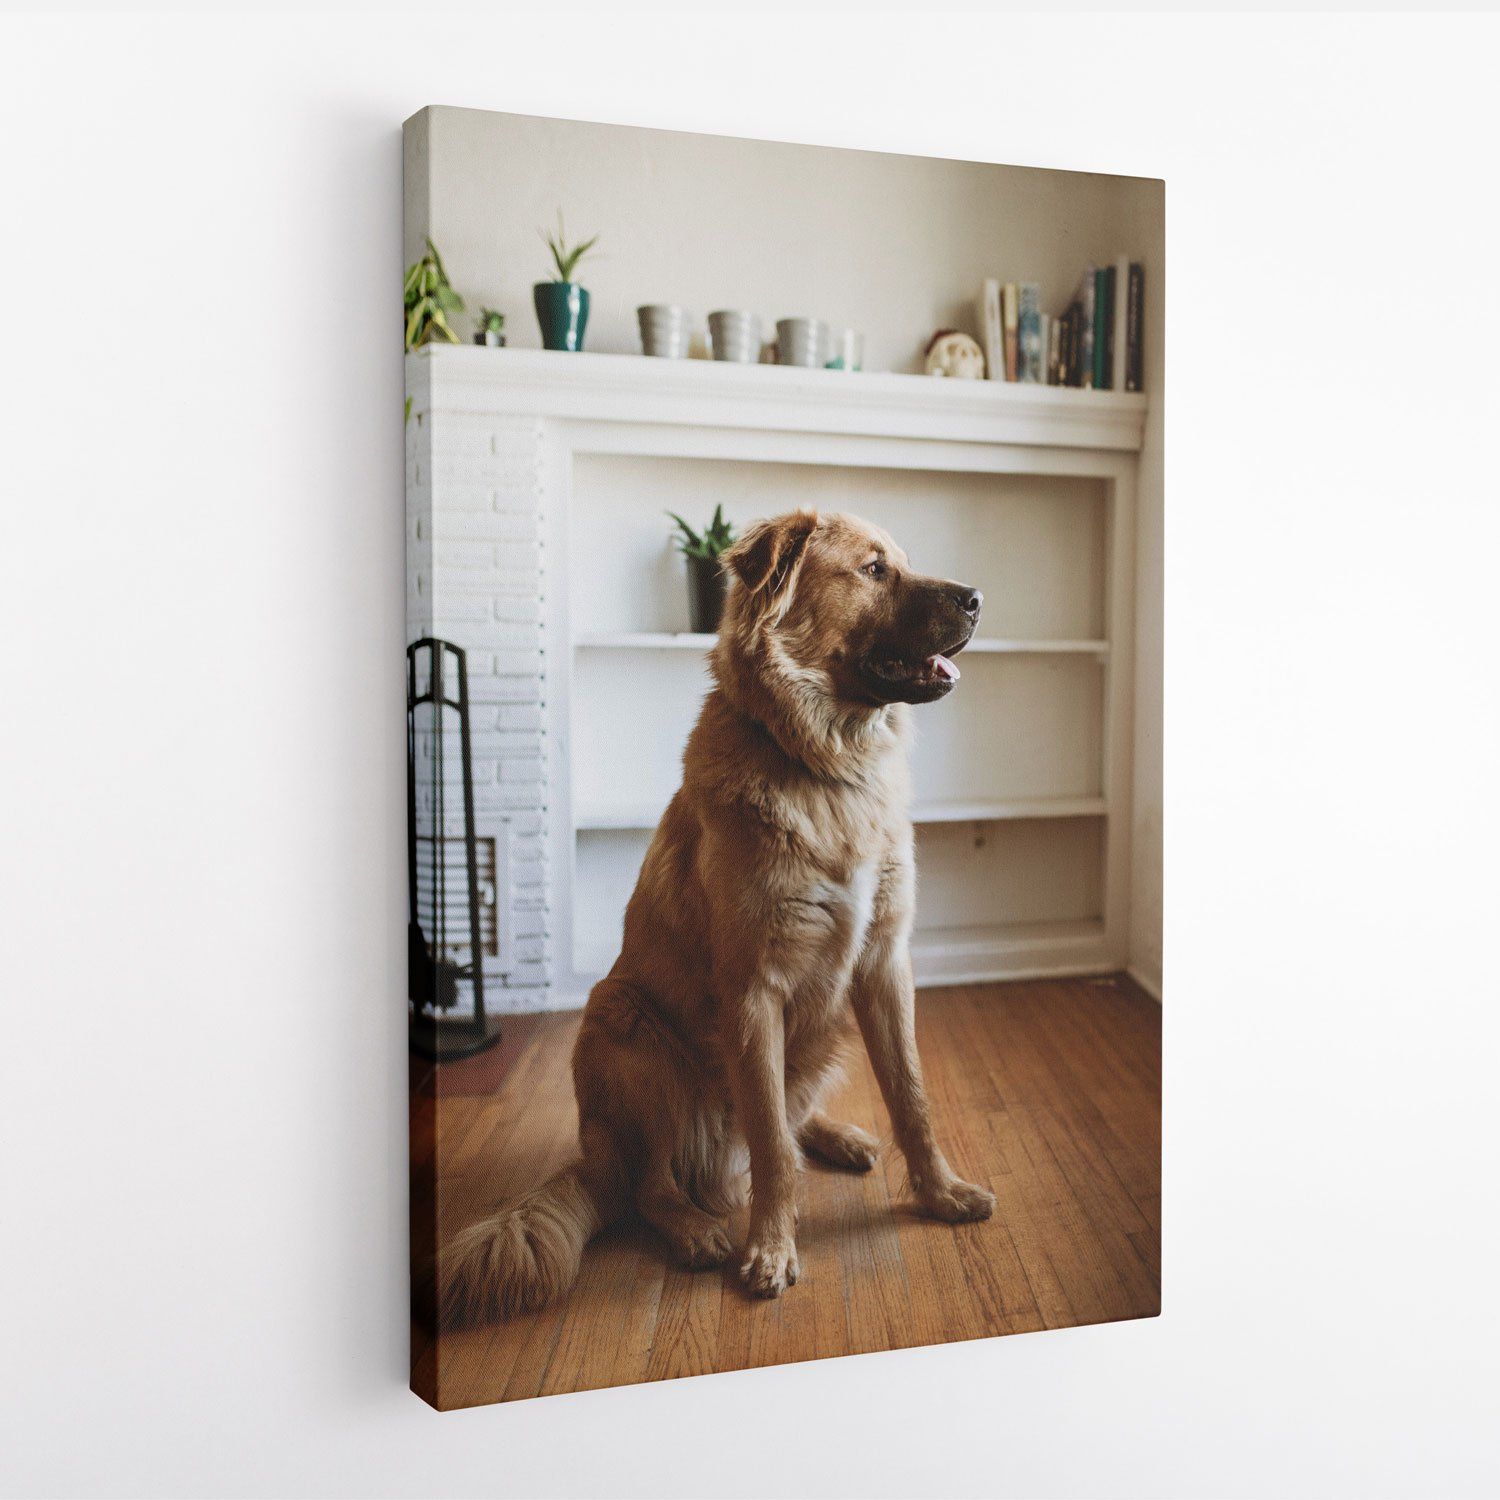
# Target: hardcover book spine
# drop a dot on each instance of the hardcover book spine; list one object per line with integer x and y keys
{"x": 1086, "y": 292}
{"x": 1054, "y": 350}
{"x": 1102, "y": 325}
{"x": 1032, "y": 350}
{"x": 989, "y": 319}
{"x": 1134, "y": 325}
{"x": 1010, "y": 305}
{"x": 1119, "y": 341}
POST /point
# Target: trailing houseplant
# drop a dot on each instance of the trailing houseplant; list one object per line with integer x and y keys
{"x": 428, "y": 298}
{"x": 704, "y": 552}
{"x": 562, "y": 305}
{"x": 490, "y": 329}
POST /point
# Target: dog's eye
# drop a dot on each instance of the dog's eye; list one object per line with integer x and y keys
{"x": 876, "y": 569}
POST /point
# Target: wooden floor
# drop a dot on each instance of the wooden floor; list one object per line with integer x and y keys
{"x": 1047, "y": 1092}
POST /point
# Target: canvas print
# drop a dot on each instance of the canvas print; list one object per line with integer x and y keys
{"x": 783, "y": 727}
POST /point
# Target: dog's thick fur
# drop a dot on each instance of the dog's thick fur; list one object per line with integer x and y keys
{"x": 775, "y": 897}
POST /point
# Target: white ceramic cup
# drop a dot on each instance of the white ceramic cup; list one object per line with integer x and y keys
{"x": 803, "y": 341}
{"x": 735, "y": 336}
{"x": 666, "y": 331}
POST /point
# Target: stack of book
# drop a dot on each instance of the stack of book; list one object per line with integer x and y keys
{"x": 1095, "y": 344}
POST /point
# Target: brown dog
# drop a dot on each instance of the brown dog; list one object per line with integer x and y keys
{"x": 776, "y": 894}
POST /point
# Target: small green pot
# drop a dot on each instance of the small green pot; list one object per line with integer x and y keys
{"x": 562, "y": 310}
{"x": 705, "y": 580}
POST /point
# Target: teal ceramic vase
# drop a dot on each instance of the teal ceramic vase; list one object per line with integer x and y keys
{"x": 562, "y": 310}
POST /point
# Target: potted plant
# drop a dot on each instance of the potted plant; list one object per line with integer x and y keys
{"x": 491, "y": 329}
{"x": 562, "y": 306}
{"x": 428, "y": 298}
{"x": 705, "y": 575}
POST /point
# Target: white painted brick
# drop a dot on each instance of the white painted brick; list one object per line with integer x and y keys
{"x": 518, "y": 689}
{"x": 459, "y": 441}
{"x": 524, "y": 583}
{"x": 456, "y": 556}
{"x": 518, "y": 664}
{"x": 519, "y": 609}
{"x": 456, "y": 468}
{"x": 514, "y": 504}
{"x": 489, "y": 799}
{"x": 517, "y": 770}
{"x": 507, "y": 637}
{"x": 526, "y": 556}
{"x": 498, "y": 743}
{"x": 463, "y": 497}
{"x": 463, "y": 526}
{"x": 519, "y": 525}
{"x": 530, "y": 924}
{"x": 519, "y": 716}
{"x": 458, "y": 609}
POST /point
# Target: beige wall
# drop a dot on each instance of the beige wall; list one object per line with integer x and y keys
{"x": 895, "y": 246}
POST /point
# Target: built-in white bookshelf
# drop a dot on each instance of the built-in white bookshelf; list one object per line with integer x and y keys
{"x": 1021, "y": 775}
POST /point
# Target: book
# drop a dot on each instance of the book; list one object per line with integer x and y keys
{"x": 1031, "y": 349}
{"x": 1010, "y": 319}
{"x": 1103, "y": 327}
{"x": 1134, "y": 308}
{"x": 1085, "y": 365}
{"x": 1054, "y": 350}
{"x": 1119, "y": 341}
{"x": 989, "y": 323}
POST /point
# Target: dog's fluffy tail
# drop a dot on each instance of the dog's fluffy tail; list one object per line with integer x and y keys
{"x": 526, "y": 1254}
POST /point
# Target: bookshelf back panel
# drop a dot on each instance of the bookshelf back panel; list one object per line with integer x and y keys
{"x": 1034, "y": 544}
{"x": 632, "y": 713}
{"x": 1014, "y": 727}
{"x": 982, "y": 874}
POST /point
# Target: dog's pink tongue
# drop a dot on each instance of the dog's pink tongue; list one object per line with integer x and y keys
{"x": 943, "y": 667}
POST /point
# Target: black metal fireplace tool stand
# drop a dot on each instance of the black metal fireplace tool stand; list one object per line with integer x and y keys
{"x": 439, "y": 930}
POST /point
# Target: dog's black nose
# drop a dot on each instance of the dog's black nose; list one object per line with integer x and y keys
{"x": 971, "y": 601}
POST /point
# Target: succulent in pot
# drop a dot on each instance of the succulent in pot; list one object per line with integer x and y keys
{"x": 562, "y": 305}
{"x": 704, "y": 552}
{"x": 490, "y": 328}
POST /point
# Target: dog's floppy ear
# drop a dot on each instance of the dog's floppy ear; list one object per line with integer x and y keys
{"x": 766, "y": 558}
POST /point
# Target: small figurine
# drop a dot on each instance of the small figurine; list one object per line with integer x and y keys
{"x": 955, "y": 355}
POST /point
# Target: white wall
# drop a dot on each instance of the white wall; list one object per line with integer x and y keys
{"x": 201, "y": 887}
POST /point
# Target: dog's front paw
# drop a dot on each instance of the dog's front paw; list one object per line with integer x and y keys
{"x": 770, "y": 1267}
{"x": 704, "y": 1247}
{"x": 957, "y": 1202}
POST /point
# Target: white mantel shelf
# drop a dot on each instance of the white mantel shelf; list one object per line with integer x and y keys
{"x": 701, "y": 392}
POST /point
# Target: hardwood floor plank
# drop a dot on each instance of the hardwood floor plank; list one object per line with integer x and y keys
{"x": 685, "y": 1339}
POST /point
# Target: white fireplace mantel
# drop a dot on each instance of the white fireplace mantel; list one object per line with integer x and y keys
{"x": 537, "y": 483}
{"x": 700, "y": 392}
